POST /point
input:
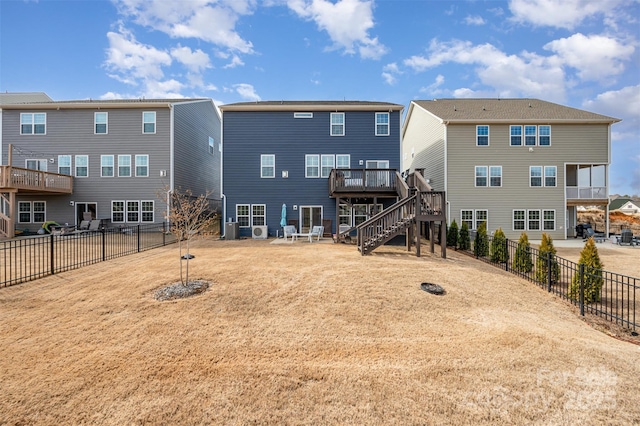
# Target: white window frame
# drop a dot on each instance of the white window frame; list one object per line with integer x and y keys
{"x": 302, "y": 115}
{"x": 342, "y": 164}
{"x": 531, "y": 177}
{"x": 42, "y": 211}
{"x": 344, "y": 215}
{"x": 523, "y": 220}
{"x": 338, "y": 126}
{"x": 534, "y": 220}
{"x": 147, "y": 207}
{"x": 135, "y": 211}
{"x": 258, "y": 214}
{"x": 77, "y": 159}
{"x": 146, "y": 121}
{"x": 529, "y": 136}
{"x": 486, "y": 176}
{"x": 26, "y": 212}
{"x": 383, "y": 128}
{"x": 540, "y": 135}
{"x": 96, "y": 123}
{"x": 308, "y": 167}
{"x": 518, "y": 136}
{"x": 327, "y": 163}
{"x": 142, "y": 165}
{"x": 246, "y": 216}
{"x": 267, "y": 168}
{"x": 555, "y": 176}
{"x": 122, "y": 205}
{"x": 64, "y": 161}
{"x": 477, "y": 221}
{"x": 31, "y": 118}
{"x": 40, "y": 164}
{"x": 490, "y": 176}
{"x": 478, "y": 135}
{"x": 211, "y": 145}
{"x": 360, "y": 213}
{"x": 545, "y": 220}
{"x": 104, "y": 164}
{"x": 120, "y": 165}
{"x": 465, "y": 218}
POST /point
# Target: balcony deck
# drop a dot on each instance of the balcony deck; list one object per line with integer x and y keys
{"x": 17, "y": 179}
{"x": 364, "y": 183}
{"x": 588, "y": 195}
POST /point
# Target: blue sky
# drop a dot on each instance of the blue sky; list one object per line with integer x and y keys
{"x": 580, "y": 53}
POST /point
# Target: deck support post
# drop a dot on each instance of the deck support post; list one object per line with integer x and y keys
{"x": 443, "y": 239}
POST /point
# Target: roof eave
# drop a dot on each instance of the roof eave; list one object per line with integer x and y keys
{"x": 313, "y": 107}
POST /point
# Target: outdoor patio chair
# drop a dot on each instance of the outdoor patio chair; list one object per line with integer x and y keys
{"x": 316, "y": 231}
{"x": 590, "y": 233}
{"x": 290, "y": 231}
{"x": 626, "y": 237}
{"x": 94, "y": 225}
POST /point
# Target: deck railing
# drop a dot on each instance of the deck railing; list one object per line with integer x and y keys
{"x": 363, "y": 180}
{"x": 34, "y": 180}
{"x": 586, "y": 192}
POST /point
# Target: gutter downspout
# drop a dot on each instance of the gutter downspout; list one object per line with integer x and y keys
{"x": 171, "y": 159}
{"x": 446, "y": 190}
{"x": 223, "y": 231}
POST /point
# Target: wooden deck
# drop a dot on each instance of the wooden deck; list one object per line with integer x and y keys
{"x": 16, "y": 179}
{"x": 345, "y": 183}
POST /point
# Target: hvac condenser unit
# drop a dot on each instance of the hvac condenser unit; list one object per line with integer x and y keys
{"x": 259, "y": 232}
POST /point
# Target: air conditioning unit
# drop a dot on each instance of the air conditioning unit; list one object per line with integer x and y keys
{"x": 259, "y": 232}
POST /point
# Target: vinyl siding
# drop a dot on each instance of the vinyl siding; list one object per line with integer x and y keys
{"x": 249, "y": 134}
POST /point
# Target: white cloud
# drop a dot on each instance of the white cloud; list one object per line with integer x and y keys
{"x": 247, "y": 91}
{"x": 346, "y": 21}
{"x": 560, "y": 14}
{"x": 623, "y": 104}
{"x": 235, "y": 62}
{"x": 595, "y": 57}
{"x": 526, "y": 74}
{"x": 474, "y": 20}
{"x": 389, "y": 73}
{"x": 432, "y": 89}
{"x": 196, "y": 61}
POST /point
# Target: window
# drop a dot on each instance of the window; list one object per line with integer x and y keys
{"x": 359, "y": 213}
{"x": 106, "y": 165}
{"x": 211, "y": 143}
{"x": 312, "y": 166}
{"x": 328, "y": 163}
{"x": 32, "y": 212}
{"x": 36, "y": 164}
{"x": 147, "y": 211}
{"x": 344, "y": 215}
{"x": 117, "y": 211}
{"x": 100, "y": 122}
{"x": 258, "y": 214}
{"x": 549, "y": 220}
{"x": 337, "y": 124}
{"x": 267, "y": 166}
{"x": 518, "y": 220}
{"x": 82, "y": 165}
{"x": 33, "y": 123}
{"x": 482, "y": 135}
{"x": 481, "y": 175}
{"x": 302, "y": 115}
{"x": 481, "y": 216}
{"x": 382, "y": 124}
{"x": 142, "y": 165}
{"x": 516, "y": 135}
{"x": 343, "y": 161}
{"x": 535, "y": 176}
{"x": 149, "y": 122}
{"x": 550, "y": 175}
{"x": 466, "y": 216}
{"x": 133, "y": 213}
{"x": 534, "y": 220}
{"x": 495, "y": 175}
{"x": 64, "y": 164}
{"x": 124, "y": 165}
{"x": 544, "y": 135}
{"x": 530, "y": 135}
{"x": 242, "y": 215}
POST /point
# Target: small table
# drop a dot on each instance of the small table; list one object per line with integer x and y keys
{"x": 295, "y": 236}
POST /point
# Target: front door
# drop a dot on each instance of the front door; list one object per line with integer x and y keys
{"x": 310, "y": 216}
{"x": 86, "y": 211}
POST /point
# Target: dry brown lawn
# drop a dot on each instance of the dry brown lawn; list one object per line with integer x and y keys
{"x": 305, "y": 334}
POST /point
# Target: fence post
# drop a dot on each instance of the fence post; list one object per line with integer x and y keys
{"x": 506, "y": 254}
{"x": 581, "y": 289}
{"x": 104, "y": 244}
{"x": 138, "y": 238}
{"x": 549, "y": 271}
{"x": 52, "y": 255}
{"x": 164, "y": 233}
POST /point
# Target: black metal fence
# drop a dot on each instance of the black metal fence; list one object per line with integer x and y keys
{"x": 612, "y": 296}
{"x": 27, "y": 259}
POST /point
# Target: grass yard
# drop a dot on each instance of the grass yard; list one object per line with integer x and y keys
{"x": 306, "y": 334}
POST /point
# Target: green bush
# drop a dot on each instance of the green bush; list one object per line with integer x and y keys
{"x": 452, "y": 234}
{"x": 499, "y": 251}
{"x": 481, "y": 243}
{"x": 592, "y": 281}
{"x": 522, "y": 261}
{"x": 542, "y": 271}
{"x": 464, "y": 243}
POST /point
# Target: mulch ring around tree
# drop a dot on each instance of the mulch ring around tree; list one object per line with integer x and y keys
{"x": 432, "y": 288}
{"x": 181, "y": 291}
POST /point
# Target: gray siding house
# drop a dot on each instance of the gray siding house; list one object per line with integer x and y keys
{"x": 111, "y": 160}
{"x": 516, "y": 164}
{"x": 329, "y": 163}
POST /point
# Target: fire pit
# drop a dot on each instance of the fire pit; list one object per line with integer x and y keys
{"x": 432, "y": 288}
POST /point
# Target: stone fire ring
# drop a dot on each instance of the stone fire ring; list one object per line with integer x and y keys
{"x": 432, "y": 288}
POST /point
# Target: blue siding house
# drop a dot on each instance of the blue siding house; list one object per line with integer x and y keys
{"x": 329, "y": 162}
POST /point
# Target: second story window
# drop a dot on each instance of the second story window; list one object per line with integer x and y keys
{"x": 530, "y": 135}
{"x": 124, "y": 165}
{"x": 544, "y": 135}
{"x": 33, "y": 123}
{"x": 142, "y": 165}
{"x": 516, "y": 135}
{"x": 550, "y": 173}
{"x": 82, "y": 165}
{"x": 495, "y": 175}
{"x": 382, "y": 124}
{"x": 267, "y": 166}
{"x": 482, "y": 135}
{"x": 100, "y": 123}
{"x": 337, "y": 124}
{"x": 64, "y": 164}
{"x": 535, "y": 176}
{"x": 106, "y": 165}
{"x": 481, "y": 175}
{"x": 211, "y": 143}
{"x": 328, "y": 163}
{"x": 149, "y": 122}
{"x": 312, "y": 166}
